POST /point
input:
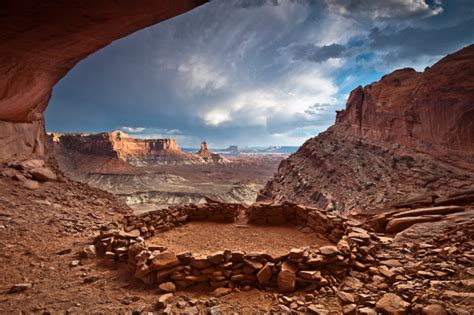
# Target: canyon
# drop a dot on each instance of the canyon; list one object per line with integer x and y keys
{"x": 155, "y": 173}
{"x": 376, "y": 214}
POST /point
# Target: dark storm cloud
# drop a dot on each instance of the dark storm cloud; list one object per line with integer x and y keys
{"x": 252, "y": 72}
{"x": 247, "y": 4}
{"x": 414, "y": 42}
{"x": 318, "y": 53}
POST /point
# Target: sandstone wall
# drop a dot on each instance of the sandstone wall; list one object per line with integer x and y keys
{"x": 19, "y": 141}
{"x": 119, "y": 145}
{"x": 427, "y": 109}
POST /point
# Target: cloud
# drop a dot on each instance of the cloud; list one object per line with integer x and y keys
{"x": 317, "y": 53}
{"x": 133, "y": 129}
{"x": 386, "y": 9}
{"x": 247, "y": 4}
{"x": 201, "y": 75}
{"x": 410, "y": 43}
{"x": 252, "y": 72}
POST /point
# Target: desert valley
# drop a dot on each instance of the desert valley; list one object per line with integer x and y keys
{"x": 154, "y": 173}
{"x": 373, "y": 215}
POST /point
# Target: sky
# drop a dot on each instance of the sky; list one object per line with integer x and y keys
{"x": 253, "y": 72}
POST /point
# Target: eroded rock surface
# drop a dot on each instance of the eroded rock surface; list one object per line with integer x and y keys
{"x": 123, "y": 148}
{"x": 408, "y": 133}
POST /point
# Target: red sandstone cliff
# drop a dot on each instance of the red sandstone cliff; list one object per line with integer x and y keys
{"x": 40, "y": 41}
{"x": 432, "y": 108}
{"x": 409, "y": 133}
{"x": 116, "y": 151}
{"x": 119, "y": 145}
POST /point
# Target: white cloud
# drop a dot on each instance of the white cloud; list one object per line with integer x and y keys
{"x": 283, "y": 106}
{"x": 133, "y": 129}
{"x": 386, "y": 9}
{"x": 200, "y": 75}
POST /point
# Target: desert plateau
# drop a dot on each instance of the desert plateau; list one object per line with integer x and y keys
{"x": 237, "y": 157}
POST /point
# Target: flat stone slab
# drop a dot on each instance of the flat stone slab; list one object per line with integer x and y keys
{"x": 400, "y": 224}
{"x": 428, "y": 211}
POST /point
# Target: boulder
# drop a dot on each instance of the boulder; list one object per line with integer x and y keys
{"x": 434, "y": 309}
{"x": 310, "y": 274}
{"x": 392, "y": 304}
{"x": 286, "y": 281}
{"x": 265, "y": 274}
{"x": 329, "y": 250}
{"x": 31, "y": 184}
{"x": 167, "y": 287}
{"x": 165, "y": 299}
{"x": 345, "y": 297}
{"x": 43, "y": 174}
{"x": 349, "y": 309}
{"x": 253, "y": 263}
{"x": 164, "y": 260}
{"x": 201, "y": 262}
{"x": 367, "y": 311}
{"x": 216, "y": 258}
{"x": 31, "y": 164}
{"x": 221, "y": 292}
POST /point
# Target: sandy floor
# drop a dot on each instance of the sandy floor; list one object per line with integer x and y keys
{"x": 208, "y": 237}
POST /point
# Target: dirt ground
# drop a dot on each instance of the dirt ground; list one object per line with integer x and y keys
{"x": 208, "y": 237}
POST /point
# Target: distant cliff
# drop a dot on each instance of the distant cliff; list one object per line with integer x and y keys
{"x": 118, "y": 145}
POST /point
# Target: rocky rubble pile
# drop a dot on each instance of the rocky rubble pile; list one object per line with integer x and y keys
{"x": 30, "y": 173}
{"x": 427, "y": 269}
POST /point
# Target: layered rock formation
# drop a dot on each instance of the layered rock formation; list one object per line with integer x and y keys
{"x": 407, "y": 134}
{"x": 118, "y": 145}
{"x": 208, "y": 156}
{"x": 432, "y": 109}
{"x": 41, "y": 41}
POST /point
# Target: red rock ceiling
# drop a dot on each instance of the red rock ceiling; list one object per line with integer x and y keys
{"x": 40, "y": 41}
